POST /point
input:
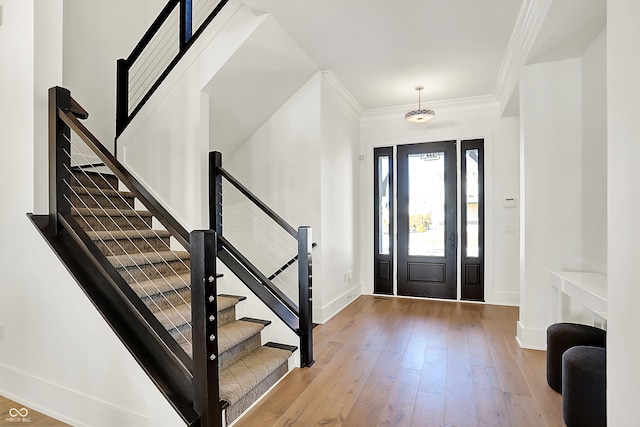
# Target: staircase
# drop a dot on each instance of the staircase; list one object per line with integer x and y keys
{"x": 154, "y": 282}
{"x": 160, "y": 276}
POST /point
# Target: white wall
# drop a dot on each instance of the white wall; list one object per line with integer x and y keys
{"x": 167, "y": 144}
{"x": 96, "y": 34}
{"x": 340, "y": 199}
{"x": 303, "y": 162}
{"x": 551, "y": 187}
{"x": 623, "y": 151}
{"x": 58, "y": 355}
{"x": 461, "y": 119}
{"x": 280, "y": 164}
{"x": 594, "y": 156}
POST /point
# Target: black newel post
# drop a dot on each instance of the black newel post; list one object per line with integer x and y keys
{"x": 59, "y": 156}
{"x": 305, "y": 296}
{"x": 215, "y": 192}
{"x": 122, "y": 96}
{"x": 205, "y": 327}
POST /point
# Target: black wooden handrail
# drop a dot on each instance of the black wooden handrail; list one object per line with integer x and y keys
{"x": 266, "y": 283}
{"x": 123, "y": 117}
{"x": 165, "y": 218}
{"x": 153, "y": 29}
{"x": 259, "y": 203}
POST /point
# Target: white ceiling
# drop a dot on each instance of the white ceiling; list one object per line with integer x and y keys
{"x": 380, "y": 50}
{"x": 569, "y": 28}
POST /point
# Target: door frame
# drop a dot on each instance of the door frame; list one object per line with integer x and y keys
{"x": 420, "y": 275}
{"x": 384, "y": 271}
{"x": 486, "y": 213}
{"x": 472, "y": 267}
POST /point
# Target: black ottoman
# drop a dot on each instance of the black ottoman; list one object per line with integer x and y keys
{"x": 584, "y": 387}
{"x": 563, "y": 336}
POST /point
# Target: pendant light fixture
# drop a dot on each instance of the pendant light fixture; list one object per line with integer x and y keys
{"x": 420, "y": 115}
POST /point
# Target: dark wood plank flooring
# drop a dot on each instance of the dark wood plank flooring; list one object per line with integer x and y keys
{"x": 410, "y": 362}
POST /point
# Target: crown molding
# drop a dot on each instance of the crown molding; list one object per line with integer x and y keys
{"x": 530, "y": 19}
{"x": 341, "y": 94}
{"x": 451, "y": 106}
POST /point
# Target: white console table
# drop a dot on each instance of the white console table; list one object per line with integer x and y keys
{"x": 587, "y": 289}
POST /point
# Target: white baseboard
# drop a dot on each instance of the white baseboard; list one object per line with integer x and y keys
{"x": 54, "y": 400}
{"x": 505, "y": 298}
{"x": 326, "y": 312}
{"x": 531, "y": 338}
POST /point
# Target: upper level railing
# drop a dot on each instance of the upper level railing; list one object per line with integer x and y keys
{"x": 263, "y": 250}
{"x": 168, "y": 38}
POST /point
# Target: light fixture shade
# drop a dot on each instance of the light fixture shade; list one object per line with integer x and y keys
{"x": 420, "y": 116}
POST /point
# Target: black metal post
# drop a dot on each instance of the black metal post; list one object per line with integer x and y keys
{"x": 305, "y": 296}
{"x": 185, "y": 23}
{"x": 122, "y": 96}
{"x": 59, "y": 156}
{"x": 215, "y": 192}
{"x": 205, "y": 327}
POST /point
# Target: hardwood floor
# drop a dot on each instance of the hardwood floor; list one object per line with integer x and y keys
{"x": 409, "y": 362}
{"x": 16, "y": 414}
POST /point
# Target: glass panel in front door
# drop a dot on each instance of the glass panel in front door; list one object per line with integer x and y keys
{"x": 426, "y": 204}
{"x": 472, "y": 186}
{"x": 383, "y": 208}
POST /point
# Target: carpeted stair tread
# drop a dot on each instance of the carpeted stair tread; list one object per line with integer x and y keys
{"x": 164, "y": 292}
{"x": 225, "y": 302}
{"x": 102, "y": 192}
{"x": 233, "y": 333}
{"x": 241, "y": 377}
{"x": 128, "y": 234}
{"x": 112, "y": 212}
{"x": 162, "y": 285}
{"x": 130, "y": 260}
{"x": 177, "y": 318}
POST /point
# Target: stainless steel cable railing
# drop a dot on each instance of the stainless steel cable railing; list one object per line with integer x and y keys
{"x": 168, "y": 38}
{"x": 134, "y": 273}
{"x": 182, "y": 328}
{"x": 249, "y": 231}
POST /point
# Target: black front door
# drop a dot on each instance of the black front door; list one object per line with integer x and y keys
{"x": 427, "y": 239}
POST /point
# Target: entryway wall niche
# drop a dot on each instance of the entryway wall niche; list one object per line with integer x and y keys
{"x": 563, "y": 119}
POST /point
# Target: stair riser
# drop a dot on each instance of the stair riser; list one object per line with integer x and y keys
{"x": 226, "y": 316}
{"x": 161, "y": 301}
{"x": 152, "y": 271}
{"x": 94, "y": 180}
{"x": 100, "y": 201}
{"x": 238, "y": 351}
{"x": 103, "y": 223}
{"x": 132, "y": 246}
{"x": 181, "y": 332}
{"x": 234, "y": 411}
